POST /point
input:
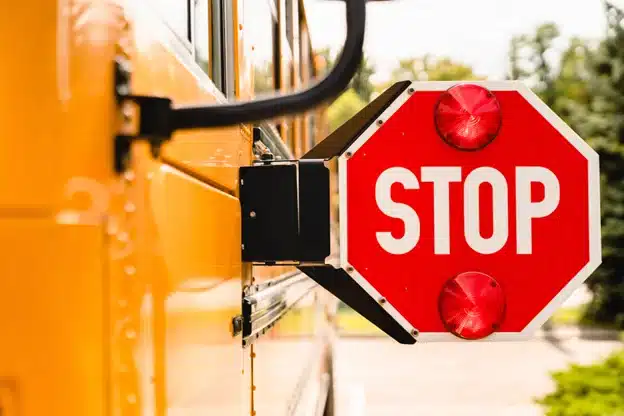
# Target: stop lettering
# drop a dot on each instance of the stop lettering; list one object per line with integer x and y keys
{"x": 442, "y": 178}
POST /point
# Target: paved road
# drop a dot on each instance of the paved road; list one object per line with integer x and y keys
{"x": 376, "y": 376}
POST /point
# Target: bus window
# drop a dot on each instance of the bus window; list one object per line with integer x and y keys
{"x": 290, "y": 4}
{"x": 260, "y": 18}
{"x": 201, "y": 35}
{"x": 311, "y": 131}
{"x": 176, "y": 14}
{"x": 220, "y": 43}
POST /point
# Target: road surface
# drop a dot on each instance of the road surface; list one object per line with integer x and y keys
{"x": 376, "y": 376}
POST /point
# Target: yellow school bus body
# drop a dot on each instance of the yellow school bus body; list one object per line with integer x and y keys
{"x": 117, "y": 291}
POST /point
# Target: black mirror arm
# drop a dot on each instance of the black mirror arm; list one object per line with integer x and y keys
{"x": 198, "y": 116}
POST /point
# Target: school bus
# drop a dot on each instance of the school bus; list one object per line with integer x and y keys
{"x": 122, "y": 287}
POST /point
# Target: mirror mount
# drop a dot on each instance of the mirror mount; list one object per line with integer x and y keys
{"x": 156, "y": 118}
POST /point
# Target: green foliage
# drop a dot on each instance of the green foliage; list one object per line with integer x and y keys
{"x": 592, "y": 390}
{"x": 361, "y": 82}
{"x": 586, "y": 89}
{"x": 529, "y": 60}
{"x": 264, "y": 81}
{"x": 345, "y": 107}
{"x": 568, "y": 315}
{"x": 430, "y": 69}
{"x": 604, "y": 128}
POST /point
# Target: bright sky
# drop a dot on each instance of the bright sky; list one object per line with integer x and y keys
{"x": 476, "y": 32}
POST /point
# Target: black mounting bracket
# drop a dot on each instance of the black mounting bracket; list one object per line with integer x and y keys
{"x": 285, "y": 212}
{"x": 141, "y": 117}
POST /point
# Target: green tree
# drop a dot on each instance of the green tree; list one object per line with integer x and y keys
{"x": 587, "y": 90}
{"x": 588, "y": 390}
{"x": 445, "y": 69}
{"x": 361, "y": 81}
{"x": 529, "y": 60}
{"x": 516, "y": 66}
{"x": 603, "y": 126}
{"x": 428, "y": 68}
{"x": 572, "y": 84}
{"x": 541, "y": 44}
{"x": 345, "y": 107}
{"x": 411, "y": 69}
{"x": 327, "y": 56}
{"x": 264, "y": 80}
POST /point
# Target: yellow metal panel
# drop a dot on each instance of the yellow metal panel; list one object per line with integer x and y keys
{"x": 198, "y": 227}
{"x": 289, "y": 361}
{"x": 164, "y": 67}
{"x": 60, "y": 71}
{"x": 197, "y": 244}
{"x": 52, "y": 312}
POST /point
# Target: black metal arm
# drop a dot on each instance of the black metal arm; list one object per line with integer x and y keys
{"x": 201, "y": 116}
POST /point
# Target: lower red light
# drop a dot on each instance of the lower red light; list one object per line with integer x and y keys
{"x": 468, "y": 116}
{"x": 472, "y": 305}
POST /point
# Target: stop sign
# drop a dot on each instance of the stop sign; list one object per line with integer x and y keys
{"x": 469, "y": 242}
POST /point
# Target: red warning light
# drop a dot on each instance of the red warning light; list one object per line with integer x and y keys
{"x": 472, "y": 305}
{"x": 468, "y": 116}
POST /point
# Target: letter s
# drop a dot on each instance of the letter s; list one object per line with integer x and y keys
{"x": 397, "y": 210}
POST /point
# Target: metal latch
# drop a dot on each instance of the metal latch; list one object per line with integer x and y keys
{"x": 141, "y": 117}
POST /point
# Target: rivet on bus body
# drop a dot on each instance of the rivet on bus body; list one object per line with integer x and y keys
{"x": 129, "y": 207}
{"x": 129, "y": 176}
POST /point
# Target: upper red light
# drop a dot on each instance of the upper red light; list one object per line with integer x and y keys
{"x": 472, "y": 305}
{"x": 468, "y": 116}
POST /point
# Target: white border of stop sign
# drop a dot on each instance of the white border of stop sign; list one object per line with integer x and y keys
{"x": 595, "y": 255}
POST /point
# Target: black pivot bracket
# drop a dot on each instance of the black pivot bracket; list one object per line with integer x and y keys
{"x": 141, "y": 117}
{"x": 285, "y": 212}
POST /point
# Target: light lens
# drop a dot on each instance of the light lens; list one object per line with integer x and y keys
{"x": 472, "y": 305}
{"x": 468, "y": 116}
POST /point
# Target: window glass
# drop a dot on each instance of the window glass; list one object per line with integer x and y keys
{"x": 290, "y": 135}
{"x": 311, "y": 131}
{"x": 261, "y": 24}
{"x": 288, "y": 69}
{"x": 176, "y": 14}
{"x": 290, "y": 22}
{"x": 201, "y": 35}
{"x": 217, "y": 32}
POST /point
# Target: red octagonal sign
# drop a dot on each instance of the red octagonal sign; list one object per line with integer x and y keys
{"x": 469, "y": 212}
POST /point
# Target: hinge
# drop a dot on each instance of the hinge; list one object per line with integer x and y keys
{"x": 237, "y": 325}
{"x": 141, "y": 117}
{"x": 265, "y": 304}
{"x": 285, "y": 209}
